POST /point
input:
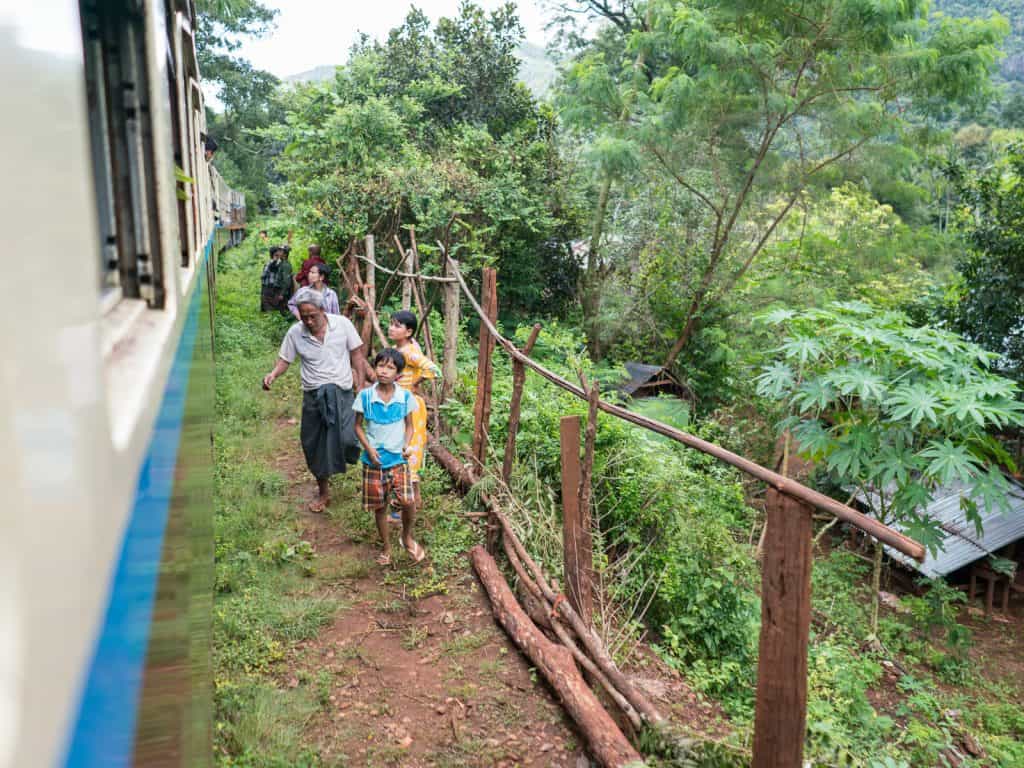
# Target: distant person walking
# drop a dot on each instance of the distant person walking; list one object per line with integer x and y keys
{"x": 302, "y": 278}
{"x": 319, "y": 274}
{"x": 276, "y": 281}
{"x": 260, "y": 243}
{"x": 332, "y": 362}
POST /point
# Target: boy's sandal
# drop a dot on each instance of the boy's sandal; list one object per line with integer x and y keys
{"x": 316, "y": 506}
{"x": 416, "y": 552}
{"x": 383, "y": 559}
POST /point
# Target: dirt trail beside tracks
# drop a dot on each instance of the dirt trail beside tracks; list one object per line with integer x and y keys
{"x": 414, "y": 670}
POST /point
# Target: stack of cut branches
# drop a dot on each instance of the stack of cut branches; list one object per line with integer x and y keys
{"x": 574, "y": 641}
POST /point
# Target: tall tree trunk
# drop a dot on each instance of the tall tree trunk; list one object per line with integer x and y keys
{"x": 592, "y": 280}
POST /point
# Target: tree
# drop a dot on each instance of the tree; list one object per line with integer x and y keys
{"x": 247, "y": 94}
{"x": 431, "y": 128}
{"x": 893, "y": 412}
{"x": 990, "y": 306}
{"x": 745, "y": 105}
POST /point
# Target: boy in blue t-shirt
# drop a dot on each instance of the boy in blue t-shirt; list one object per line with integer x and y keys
{"x": 384, "y": 427}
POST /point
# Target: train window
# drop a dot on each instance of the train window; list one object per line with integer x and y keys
{"x": 122, "y": 149}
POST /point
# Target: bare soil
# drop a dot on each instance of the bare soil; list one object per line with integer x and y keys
{"x": 433, "y": 680}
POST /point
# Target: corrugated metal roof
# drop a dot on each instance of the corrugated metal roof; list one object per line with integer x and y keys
{"x": 963, "y": 545}
{"x": 639, "y": 374}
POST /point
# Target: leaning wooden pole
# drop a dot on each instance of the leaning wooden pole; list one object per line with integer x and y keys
{"x": 605, "y": 741}
{"x": 781, "y": 705}
{"x": 518, "y": 381}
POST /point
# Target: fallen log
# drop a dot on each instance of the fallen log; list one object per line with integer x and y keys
{"x": 612, "y": 678}
{"x": 605, "y": 741}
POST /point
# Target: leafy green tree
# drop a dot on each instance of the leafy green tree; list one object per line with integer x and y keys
{"x": 893, "y": 411}
{"x": 248, "y": 96}
{"x": 990, "y": 309}
{"x": 745, "y": 105}
{"x": 431, "y": 128}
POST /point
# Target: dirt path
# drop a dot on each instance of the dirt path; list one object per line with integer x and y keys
{"x": 414, "y": 671}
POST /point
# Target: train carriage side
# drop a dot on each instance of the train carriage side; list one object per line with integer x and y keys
{"x": 106, "y": 559}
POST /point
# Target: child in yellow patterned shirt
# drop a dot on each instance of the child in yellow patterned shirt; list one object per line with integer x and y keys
{"x": 402, "y": 332}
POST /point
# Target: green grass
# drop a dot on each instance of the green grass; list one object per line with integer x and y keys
{"x": 267, "y": 597}
{"x": 272, "y": 587}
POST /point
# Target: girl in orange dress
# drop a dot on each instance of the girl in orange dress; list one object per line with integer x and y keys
{"x": 402, "y": 332}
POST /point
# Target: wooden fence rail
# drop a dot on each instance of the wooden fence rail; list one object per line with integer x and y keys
{"x": 781, "y": 701}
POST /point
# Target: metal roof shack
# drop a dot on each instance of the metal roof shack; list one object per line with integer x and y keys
{"x": 645, "y": 380}
{"x": 962, "y": 545}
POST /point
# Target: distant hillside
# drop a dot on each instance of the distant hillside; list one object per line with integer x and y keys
{"x": 537, "y": 70}
{"x": 315, "y": 75}
{"x": 1013, "y": 10}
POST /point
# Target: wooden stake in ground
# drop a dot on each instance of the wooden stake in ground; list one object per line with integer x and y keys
{"x": 518, "y": 380}
{"x": 449, "y": 366}
{"x": 369, "y": 293}
{"x": 781, "y": 707}
{"x": 605, "y": 741}
{"x": 407, "y": 266}
{"x": 576, "y": 541}
{"x": 484, "y": 369}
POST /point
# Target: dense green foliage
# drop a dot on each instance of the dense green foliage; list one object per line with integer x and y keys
{"x": 893, "y": 410}
{"x": 700, "y": 164}
{"x": 431, "y": 129}
{"x": 247, "y": 96}
{"x": 736, "y": 109}
{"x": 991, "y": 302}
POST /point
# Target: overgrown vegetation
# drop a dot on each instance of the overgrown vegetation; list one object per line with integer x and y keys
{"x": 701, "y": 164}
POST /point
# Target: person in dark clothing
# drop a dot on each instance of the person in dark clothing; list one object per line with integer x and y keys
{"x": 333, "y": 363}
{"x": 276, "y": 282}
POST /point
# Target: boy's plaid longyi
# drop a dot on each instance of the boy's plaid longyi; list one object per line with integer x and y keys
{"x": 378, "y": 484}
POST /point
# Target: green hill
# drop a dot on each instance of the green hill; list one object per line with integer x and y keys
{"x": 1013, "y": 10}
{"x": 537, "y": 71}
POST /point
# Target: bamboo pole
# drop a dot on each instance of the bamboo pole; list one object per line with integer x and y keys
{"x": 407, "y": 281}
{"x": 518, "y": 380}
{"x": 484, "y": 369}
{"x": 449, "y": 365}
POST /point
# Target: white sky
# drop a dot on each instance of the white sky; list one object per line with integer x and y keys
{"x": 311, "y": 33}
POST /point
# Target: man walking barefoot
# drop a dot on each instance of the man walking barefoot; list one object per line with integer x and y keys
{"x": 332, "y": 360}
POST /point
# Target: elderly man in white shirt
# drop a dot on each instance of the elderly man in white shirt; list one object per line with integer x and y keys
{"x": 333, "y": 367}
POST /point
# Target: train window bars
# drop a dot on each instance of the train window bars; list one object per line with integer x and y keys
{"x": 121, "y": 138}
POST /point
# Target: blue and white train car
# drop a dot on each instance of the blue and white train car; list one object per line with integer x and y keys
{"x": 112, "y": 219}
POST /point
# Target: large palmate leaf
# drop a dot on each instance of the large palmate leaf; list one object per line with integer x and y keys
{"x": 915, "y": 402}
{"x": 858, "y": 380}
{"x": 776, "y": 380}
{"x": 949, "y": 462}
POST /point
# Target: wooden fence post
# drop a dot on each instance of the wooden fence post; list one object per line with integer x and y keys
{"x": 518, "y": 379}
{"x": 781, "y": 709}
{"x": 449, "y": 365}
{"x": 369, "y": 294}
{"x": 576, "y": 541}
{"x": 484, "y": 369}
